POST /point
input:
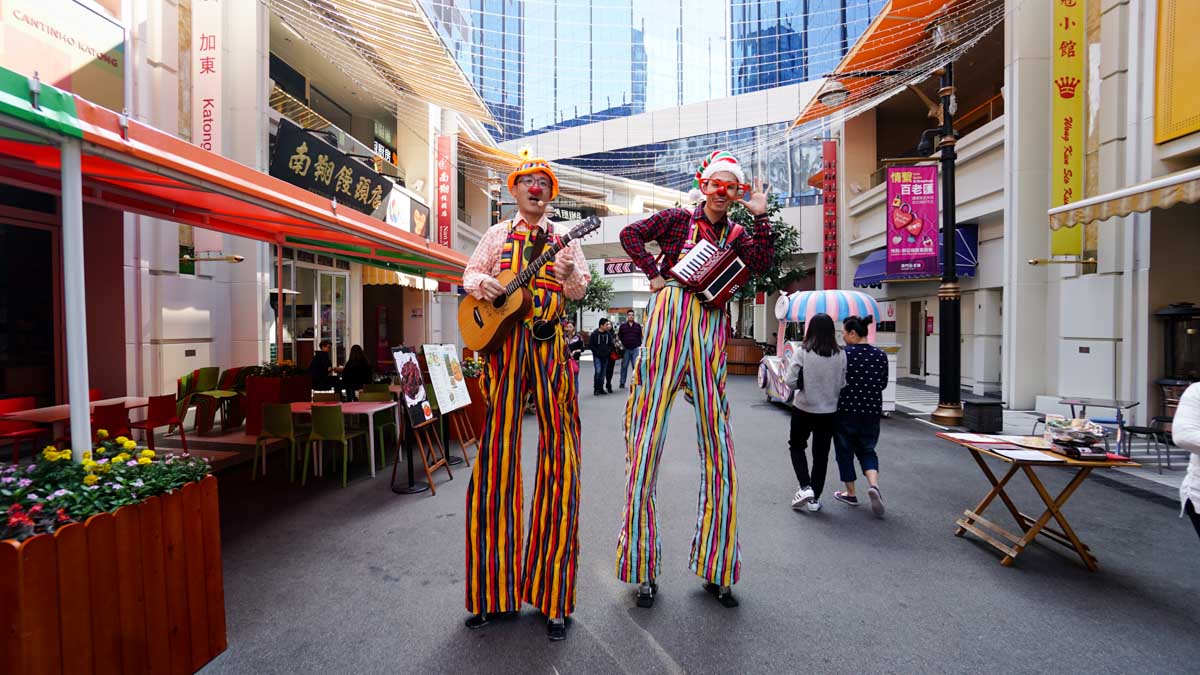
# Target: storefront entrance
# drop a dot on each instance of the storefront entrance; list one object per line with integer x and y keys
{"x": 28, "y": 365}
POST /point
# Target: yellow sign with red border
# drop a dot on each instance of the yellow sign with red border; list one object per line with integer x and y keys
{"x": 1067, "y": 88}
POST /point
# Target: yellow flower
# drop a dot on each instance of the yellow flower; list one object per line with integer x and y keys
{"x": 89, "y": 464}
{"x": 130, "y": 445}
{"x": 123, "y": 457}
{"x": 121, "y": 440}
{"x": 148, "y": 453}
{"x": 143, "y": 460}
{"x": 104, "y": 468}
{"x": 50, "y": 454}
{"x": 101, "y": 433}
{"x": 87, "y": 455}
{"x": 90, "y": 479}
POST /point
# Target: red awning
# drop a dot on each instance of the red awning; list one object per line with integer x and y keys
{"x": 147, "y": 171}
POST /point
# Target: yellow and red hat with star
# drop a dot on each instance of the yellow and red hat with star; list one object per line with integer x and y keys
{"x": 531, "y": 165}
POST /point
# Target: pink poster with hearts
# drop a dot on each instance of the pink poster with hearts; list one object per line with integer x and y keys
{"x": 912, "y": 221}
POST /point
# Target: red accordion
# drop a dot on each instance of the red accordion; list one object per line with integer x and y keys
{"x": 713, "y": 274}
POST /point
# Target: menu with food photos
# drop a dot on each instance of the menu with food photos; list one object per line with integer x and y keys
{"x": 446, "y": 376}
{"x": 416, "y": 402}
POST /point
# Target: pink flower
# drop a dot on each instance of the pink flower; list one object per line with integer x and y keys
{"x": 132, "y": 462}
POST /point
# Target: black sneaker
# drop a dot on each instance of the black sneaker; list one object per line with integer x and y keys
{"x": 556, "y": 629}
{"x": 876, "y": 501}
{"x": 724, "y": 594}
{"x": 845, "y": 498}
{"x": 476, "y": 621}
{"x": 646, "y": 594}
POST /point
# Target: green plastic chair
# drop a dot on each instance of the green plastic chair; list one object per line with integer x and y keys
{"x": 326, "y": 397}
{"x": 220, "y": 395}
{"x": 205, "y": 380}
{"x": 382, "y": 420}
{"x": 328, "y": 424}
{"x": 185, "y": 389}
{"x": 277, "y": 423}
{"x": 377, "y": 388}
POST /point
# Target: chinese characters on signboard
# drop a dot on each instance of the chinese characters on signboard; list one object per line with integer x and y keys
{"x": 1067, "y": 124}
{"x": 912, "y": 221}
{"x": 443, "y": 202}
{"x": 207, "y": 71}
{"x": 302, "y": 158}
{"x": 829, "y": 211}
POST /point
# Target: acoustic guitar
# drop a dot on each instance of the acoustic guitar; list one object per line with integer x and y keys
{"x": 485, "y": 324}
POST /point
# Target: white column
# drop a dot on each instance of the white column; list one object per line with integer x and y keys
{"x": 74, "y": 297}
{"x": 1029, "y": 341}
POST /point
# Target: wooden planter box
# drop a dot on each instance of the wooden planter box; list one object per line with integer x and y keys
{"x": 743, "y": 356}
{"x": 139, "y": 590}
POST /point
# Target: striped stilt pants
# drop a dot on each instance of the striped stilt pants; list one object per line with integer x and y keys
{"x": 683, "y": 339}
{"x": 497, "y": 579}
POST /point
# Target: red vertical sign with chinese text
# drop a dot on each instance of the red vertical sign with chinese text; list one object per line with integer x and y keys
{"x": 445, "y": 209}
{"x": 829, "y": 211}
{"x": 1067, "y": 90}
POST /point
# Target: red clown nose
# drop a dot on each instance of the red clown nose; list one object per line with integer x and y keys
{"x": 535, "y": 191}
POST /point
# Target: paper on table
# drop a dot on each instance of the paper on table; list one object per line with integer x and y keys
{"x": 1029, "y": 455}
{"x": 977, "y": 438}
{"x": 1011, "y": 439}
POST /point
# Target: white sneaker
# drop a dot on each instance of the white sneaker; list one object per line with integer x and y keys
{"x": 803, "y": 496}
{"x": 814, "y": 506}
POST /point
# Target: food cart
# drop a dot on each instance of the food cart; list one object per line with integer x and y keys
{"x": 793, "y": 310}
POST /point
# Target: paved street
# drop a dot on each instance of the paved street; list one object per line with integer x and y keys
{"x": 361, "y": 580}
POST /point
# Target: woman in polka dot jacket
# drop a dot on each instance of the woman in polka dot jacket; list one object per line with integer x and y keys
{"x": 860, "y": 405}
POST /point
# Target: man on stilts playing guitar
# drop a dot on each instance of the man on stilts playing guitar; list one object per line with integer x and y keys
{"x": 705, "y": 258}
{"x": 500, "y": 575}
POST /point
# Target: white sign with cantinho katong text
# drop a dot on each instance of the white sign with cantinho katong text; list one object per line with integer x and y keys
{"x": 208, "y": 68}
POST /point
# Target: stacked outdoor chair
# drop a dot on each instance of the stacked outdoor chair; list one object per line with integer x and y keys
{"x": 214, "y": 393}
{"x": 16, "y": 433}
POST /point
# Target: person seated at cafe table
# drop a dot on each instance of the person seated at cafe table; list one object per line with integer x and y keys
{"x": 324, "y": 376}
{"x": 357, "y": 372}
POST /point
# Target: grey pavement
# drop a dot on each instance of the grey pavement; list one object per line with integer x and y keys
{"x": 362, "y": 580}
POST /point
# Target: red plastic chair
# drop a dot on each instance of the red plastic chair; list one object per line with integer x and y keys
{"x": 113, "y": 418}
{"x": 16, "y": 433}
{"x": 161, "y": 413}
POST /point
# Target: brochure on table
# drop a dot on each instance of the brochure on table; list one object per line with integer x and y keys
{"x": 416, "y": 402}
{"x": 446, "y": 376}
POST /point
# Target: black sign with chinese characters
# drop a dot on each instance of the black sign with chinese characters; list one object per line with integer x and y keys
{"x": 302, "y": 158}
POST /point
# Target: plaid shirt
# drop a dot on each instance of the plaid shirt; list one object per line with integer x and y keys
{"x": 670, "y": 228}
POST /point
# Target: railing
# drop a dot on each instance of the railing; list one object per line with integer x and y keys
{"x": 295, "y": 110}
{"x": 964, "y": 124}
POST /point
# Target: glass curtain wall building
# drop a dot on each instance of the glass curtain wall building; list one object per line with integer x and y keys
{"x": 780, "y": 42}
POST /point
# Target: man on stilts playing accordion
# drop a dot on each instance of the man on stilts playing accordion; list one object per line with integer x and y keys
{"x": 705, "y": 259}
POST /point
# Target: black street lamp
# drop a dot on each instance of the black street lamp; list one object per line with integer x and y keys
{"x": 949, "y": 411}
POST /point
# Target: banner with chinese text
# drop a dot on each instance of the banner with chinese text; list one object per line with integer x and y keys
{"x": 207, "y": 71}
{"x": 444, "y": 203}
{"x": 912, "y": 221}
{"x": 1067, "y": 123}
{"x": 302, "y": 158}
{"x": 829, "y": 211}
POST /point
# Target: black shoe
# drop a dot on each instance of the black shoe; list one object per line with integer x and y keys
{"x": 646, "y": 594}
{"x": 556, "y": 629}
{"x": 622, "y": 385}
{"x": 610, "y": 388}
{"x": 724, "y": 594}
{"x": 476, "y": 621}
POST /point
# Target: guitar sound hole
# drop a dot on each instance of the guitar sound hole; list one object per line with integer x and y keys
{"x": 498, "y": 303}
{"x": 478, "y": 318}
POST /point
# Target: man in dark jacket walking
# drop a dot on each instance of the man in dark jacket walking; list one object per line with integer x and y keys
{"x": 630, "y": 334}
{"x": 601, "y": 344}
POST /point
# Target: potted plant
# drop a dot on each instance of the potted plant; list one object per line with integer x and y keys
{"x": 472, "y": 369}
{"x": 113, "y": 564}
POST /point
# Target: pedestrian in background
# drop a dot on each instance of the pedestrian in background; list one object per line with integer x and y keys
{"x": 817, "y": 373}
{"x": 860, "y": 405}
{"x": 630, "y": 335}
{"x": 1185, "y": 431}
{"x": 601, "y": 345}
{"x": 357, "y": 373}
{"x": 575, "y": 349}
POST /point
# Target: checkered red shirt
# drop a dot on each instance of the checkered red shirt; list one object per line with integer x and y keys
{"x": 670, "y": 228}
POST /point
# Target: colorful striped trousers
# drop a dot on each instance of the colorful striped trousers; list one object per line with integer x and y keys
{"x": 684, "y": 339}
{"x": 496, "y": 579}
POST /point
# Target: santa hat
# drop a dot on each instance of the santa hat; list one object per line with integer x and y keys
{"x": 531, "y": 165}
{"x": 718, "y": 161}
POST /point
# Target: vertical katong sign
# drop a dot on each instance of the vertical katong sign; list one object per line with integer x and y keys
{"x": 829, "y": 211}
{"x": 1068, "y": 84}
{"x": 207, "y": 70}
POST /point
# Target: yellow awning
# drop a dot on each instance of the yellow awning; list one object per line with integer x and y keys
{"x": 1160, "y": 193}
{"x": 378, "y": 276}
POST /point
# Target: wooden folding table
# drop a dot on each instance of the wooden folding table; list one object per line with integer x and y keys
{"x": 1006, "y": 542}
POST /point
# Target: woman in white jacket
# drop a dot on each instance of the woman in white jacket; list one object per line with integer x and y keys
{"x": 817, "y": 371}
{"x": 1185, "y": 431}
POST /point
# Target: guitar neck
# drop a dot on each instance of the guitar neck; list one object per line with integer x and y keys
{"x": 533, "y": 267}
